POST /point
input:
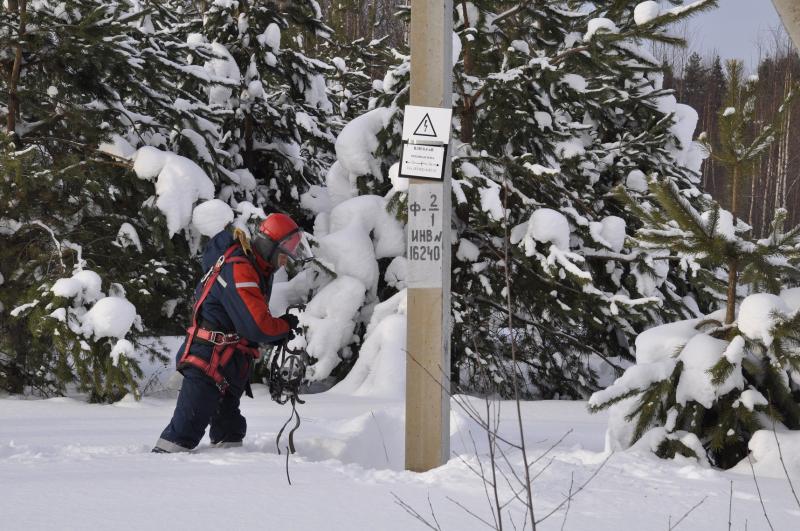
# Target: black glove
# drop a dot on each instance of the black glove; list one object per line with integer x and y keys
{"x": 293, "y": 322}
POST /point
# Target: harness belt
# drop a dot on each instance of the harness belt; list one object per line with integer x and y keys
{"x": 225, "y": 344}
{"x": 213, "y": 336}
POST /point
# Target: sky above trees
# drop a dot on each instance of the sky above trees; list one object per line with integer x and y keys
{"x": 734, "y": 29}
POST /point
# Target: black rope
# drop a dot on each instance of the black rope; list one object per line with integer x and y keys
{"x": 291, "y": 432}
{"x": 286, "y": 372}
{"x": 289, "y": 449}
{"x": 288, "y": 477}
{"x": 296, "y": 426}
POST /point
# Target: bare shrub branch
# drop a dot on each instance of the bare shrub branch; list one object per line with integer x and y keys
{"x": 687, "y": 513}
{"x": 783, "y": 464}
{"x": 730, "y": 508}
{"x": 758, "y": 490}
{"x": 572, "y": 494}
{"x": 421, "y": 519}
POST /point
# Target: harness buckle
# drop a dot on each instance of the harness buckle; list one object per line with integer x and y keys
{"x": 221, "y": 338}
{"x": 216, "y": 267}
{"x": 222, "y": 385}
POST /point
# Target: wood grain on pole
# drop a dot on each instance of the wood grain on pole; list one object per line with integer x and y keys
{"x": 428, "y": 333}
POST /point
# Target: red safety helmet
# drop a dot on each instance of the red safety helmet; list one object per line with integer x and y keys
{"x": 279, "y": 235}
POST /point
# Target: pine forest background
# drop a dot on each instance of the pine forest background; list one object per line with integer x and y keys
{"x": 702, "y": 82}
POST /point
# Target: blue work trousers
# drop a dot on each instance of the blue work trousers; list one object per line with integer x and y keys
{"x": 201, "y": 403}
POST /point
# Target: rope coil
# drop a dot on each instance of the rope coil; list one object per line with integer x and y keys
{"x": 286, "y": 374}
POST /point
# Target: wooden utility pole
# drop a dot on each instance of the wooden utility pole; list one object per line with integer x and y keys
{"x": 428, "y": 332}
{"x": 789, "y": 10}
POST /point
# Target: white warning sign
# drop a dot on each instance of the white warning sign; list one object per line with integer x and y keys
{"x": 427, "y": 124}
{"x": 426, "y": 138}
{"x": 425, "y": 127}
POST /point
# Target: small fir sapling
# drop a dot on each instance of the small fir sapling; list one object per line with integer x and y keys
{"x": 702, "y": 387}
{"x": 355, "y": 287}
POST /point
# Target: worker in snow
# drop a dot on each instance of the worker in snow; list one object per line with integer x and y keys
{"x": 231, "y": 318}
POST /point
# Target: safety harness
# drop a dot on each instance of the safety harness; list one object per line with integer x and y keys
{"x": 225, "y": 344}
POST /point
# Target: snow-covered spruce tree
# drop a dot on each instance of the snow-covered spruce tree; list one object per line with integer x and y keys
{"x": 558, "y": 118}
{"x": 703, "y": 387}
{"x": 554, "y": 108}
{"x": 277, "y": 113}
{"x": 87, "y": 254}
{"x": 571, "y": 107}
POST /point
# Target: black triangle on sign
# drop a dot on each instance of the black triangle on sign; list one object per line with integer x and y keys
{"x": 425, "y": 127}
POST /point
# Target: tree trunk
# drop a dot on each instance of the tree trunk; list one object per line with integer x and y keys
{"x": 372, "y": 19}
{"x": 730, "y": 313}
{"x": 735, "y": 193}
{"x": 249, "y": 154}
{"x": 766, "y": 191}
{"x": 787, "y": 130}
{"x": 19, "y": 7}
{"x": 752, "y": 205}
{"x": 468, "y": 103}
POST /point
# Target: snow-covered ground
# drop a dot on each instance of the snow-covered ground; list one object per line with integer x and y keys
{"x": 66, "y": 464}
